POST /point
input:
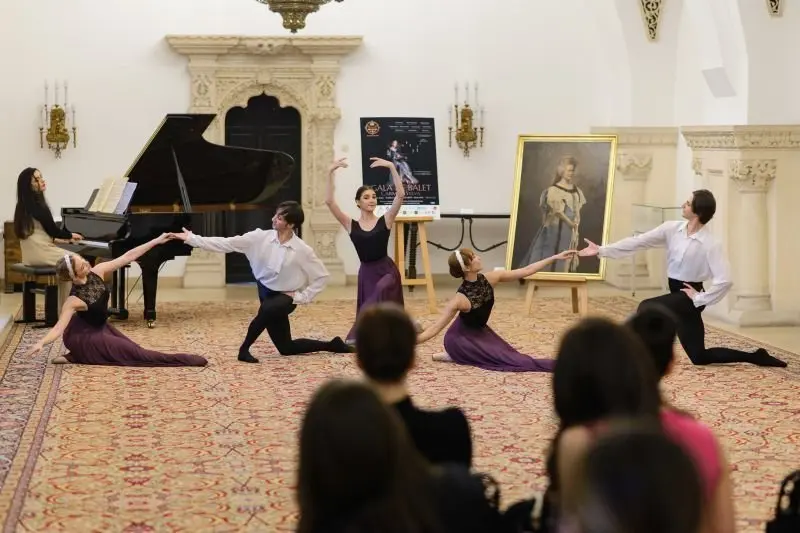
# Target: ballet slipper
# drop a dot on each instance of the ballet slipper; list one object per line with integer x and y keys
{"x": 442, "y": 357}
{"x": 59, "y": 360}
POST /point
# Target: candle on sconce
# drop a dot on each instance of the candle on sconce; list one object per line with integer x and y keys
{"x": 55, "y": 102}
{"x": 44, "y": 117}
{"x": 466, "y": 90}
{"x": 456, "y": 93}
{"x": 481, "y": 119}
{"x": 66, "y": 88}
{"x": 46, "y": 92}
{"x": 477, "y": 103}
{"x": 449, "y": 115}
{"x": 74, "y": 124}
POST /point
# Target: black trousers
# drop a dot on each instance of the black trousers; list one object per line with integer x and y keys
{"x": 691, "y": 330}
{"x": 273, "y": 315}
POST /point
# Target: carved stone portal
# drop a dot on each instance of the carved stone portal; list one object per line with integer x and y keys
{"x": 301, "y": 72}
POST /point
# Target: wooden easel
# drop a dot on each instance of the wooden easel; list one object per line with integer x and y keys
{"x": 400, "y": 255}
{"x": 578, "y": 287}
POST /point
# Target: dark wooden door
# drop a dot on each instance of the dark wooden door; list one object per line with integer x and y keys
{"x": 263, "y": 124}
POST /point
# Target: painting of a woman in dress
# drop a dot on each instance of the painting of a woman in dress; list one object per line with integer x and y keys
{"x": 562, "y": 195}
{"x": 560, "y": 205}
{"x": 400, "y": 160}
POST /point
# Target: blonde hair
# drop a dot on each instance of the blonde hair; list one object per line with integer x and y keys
{"x": 455, "y": 265}
{"x": 563, "y": 163}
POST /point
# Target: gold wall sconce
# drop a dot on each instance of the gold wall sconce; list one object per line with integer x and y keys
{"x": 294, "y": 12}
{"x": 56, "y": 123}
{"x": 466, "y": 122}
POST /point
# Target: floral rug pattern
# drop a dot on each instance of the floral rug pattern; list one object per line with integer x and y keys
{"x": 213, "y": 449}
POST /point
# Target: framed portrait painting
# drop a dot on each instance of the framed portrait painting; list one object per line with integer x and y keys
{"x": 562, "y": 195}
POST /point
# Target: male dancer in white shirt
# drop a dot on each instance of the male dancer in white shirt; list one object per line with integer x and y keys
{"x": 282, "y": 264}
{"x": 693, "y": 256}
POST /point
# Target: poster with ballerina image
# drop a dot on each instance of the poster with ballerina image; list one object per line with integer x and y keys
{"x": 410, "y": 143}
{"x": 562, "y": 195}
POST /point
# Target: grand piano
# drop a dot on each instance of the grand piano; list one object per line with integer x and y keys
{"x": 175, "y": 169}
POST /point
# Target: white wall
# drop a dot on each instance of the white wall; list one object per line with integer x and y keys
{"x": 710, "y": 36}
{"x": 774, "y": 77}
{"x": 543, "y": 67}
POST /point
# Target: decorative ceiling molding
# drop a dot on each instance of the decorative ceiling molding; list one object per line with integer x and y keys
{"x": 775, "y": 7}
{"x": 641, "y": 136}
{"x": 742, "y": 137}
{"x": 651, "y": 14}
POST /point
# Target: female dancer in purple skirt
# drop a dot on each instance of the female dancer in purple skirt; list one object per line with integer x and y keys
{"x": 469, "y": 340}
{"x": 88, "y": 336}
{"x": 378, "y": 276}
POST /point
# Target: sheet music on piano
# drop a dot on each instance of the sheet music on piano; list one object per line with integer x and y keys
{"x": 113, "y": 194}
{"x": 125, "y": 199}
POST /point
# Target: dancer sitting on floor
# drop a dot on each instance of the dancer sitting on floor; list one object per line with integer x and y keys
{"x": 281, "y": 264}
{"x": 694, "y": 255}
{"x": 378, "y": 276}
{"x": 469, "y": 340}
{"x": 88, "y": 336}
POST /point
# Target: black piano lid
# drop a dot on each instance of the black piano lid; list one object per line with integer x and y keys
{"x": 214, "y": 174}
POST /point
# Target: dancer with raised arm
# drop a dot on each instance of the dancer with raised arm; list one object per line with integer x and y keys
{"x": 378, "y": 276}
{"x": 469, "y": 340}
{"x": 694, "y": 256}
{"x": 88, "y": 336}
{"x": 282, "y": 265}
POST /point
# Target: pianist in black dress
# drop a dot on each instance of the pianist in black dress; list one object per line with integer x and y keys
{"x": 378, "y": 277}
{"x": 88, "y": 336}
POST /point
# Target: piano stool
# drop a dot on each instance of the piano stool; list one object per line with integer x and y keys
{"x": 38, "y": 280}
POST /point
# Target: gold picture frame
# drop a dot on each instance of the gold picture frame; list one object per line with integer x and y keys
{"x": 553, "y": 175}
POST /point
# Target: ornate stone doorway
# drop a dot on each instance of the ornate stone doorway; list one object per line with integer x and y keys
{"x": 264, "y": 124}
{"x": 301, "y": 72}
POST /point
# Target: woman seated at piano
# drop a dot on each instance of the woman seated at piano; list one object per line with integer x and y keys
{"x": 35, "y": 228}
{"x": 88, "y": 336}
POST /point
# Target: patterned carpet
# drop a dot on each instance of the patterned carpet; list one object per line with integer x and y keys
{"x": 140, "y": 450}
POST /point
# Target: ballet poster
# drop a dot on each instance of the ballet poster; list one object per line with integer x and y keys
{"x": 410, "y": 143}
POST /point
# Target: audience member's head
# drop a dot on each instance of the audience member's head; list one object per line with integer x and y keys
{"x": 358, "y": 470}
{"x": 386, "y": 341}
{"x": 657, "y": 327}
{"x": 634, "y": 479}
{"x": 603, "y": 370}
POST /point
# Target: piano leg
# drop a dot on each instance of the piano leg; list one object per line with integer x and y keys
{"x": 118, "y": 295}
{"x": 149, "y": 287}
{"x": 122, "y": 297}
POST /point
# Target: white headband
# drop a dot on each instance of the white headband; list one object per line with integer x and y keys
{"x": 68, "y": 260}
{"x": 461, "y": 261}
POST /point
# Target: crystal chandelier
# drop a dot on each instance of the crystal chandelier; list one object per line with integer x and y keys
{"x": 294, "y": 12}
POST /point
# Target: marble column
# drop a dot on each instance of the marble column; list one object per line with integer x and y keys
{"x": 633, "y": 168}
{"x": 756, "y": 217}
{"x": 752, "y": 178}
{"x": 644, "y": 174}
{"x": 325, "y": 229}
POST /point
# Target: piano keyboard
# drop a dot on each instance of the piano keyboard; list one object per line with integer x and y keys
{"x": 94, "y": 244}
